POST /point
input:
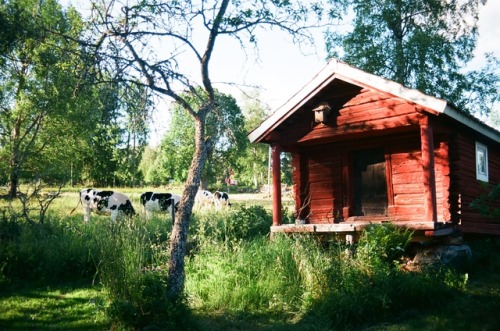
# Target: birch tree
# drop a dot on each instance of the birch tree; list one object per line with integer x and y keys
{"x": 422, "y": 44}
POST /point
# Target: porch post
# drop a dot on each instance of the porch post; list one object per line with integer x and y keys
{"x": 276, "y": 152}
{"x": 429, "y": 176}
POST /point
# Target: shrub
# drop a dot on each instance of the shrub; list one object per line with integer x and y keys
{"x": 146, "y": 305}
{"x": 52, "y": 251}
{"x": 382, "y": 244}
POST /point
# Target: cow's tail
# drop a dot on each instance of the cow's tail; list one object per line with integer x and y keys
{"x": 79, "y": 201}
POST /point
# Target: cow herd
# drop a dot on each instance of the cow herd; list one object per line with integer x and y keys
{"x": 118, "y": 204}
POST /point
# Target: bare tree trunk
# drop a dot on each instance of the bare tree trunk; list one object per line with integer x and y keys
{"x": 178, "y": 238}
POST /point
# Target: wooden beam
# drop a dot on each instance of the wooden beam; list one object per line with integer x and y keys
{"x": 351, "y": 227}
{"x": 347, "y": 193}
{"x": 300, "y": 178}
{"x": 276, "y": 159}
{"x": 428, "y": 172}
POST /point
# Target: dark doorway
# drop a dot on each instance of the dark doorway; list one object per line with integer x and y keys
{"x": 370, "y": 184}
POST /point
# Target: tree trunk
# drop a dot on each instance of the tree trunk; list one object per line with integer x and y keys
{"x": 14, "y": 162}
{"x": 14, "y": 182}
{"x": 178, "y": 238}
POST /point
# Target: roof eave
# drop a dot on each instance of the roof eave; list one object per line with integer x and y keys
{"x": 472, "y": 123}
{"x": 338, "y": 70}
{"x": 325, "y": 76}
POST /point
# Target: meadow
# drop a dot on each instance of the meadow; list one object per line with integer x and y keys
{"x": 67, "y": 275}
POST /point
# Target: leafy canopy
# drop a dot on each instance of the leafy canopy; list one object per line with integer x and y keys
{"x": 423, "y": 44}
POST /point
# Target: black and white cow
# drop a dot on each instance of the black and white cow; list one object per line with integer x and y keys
{"x": 221, "y": 199}
{"x": 101, "y": 202}
{"x": 152, "y": 201}
{"x": 204, "y": 198}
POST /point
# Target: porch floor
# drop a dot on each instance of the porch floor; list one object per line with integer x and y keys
{"x": 353, "y": 225}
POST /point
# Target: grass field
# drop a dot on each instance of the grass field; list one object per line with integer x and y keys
{"x": 53, "y": 277}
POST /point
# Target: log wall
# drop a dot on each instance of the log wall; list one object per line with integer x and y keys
{"x": 367, "y": 112}
{"x": 323, "y": 181}
{"x": 468, "y": 188}
{"x": 405, "y": 186}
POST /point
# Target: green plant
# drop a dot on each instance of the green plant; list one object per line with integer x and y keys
{"x": 487, "y": 204}
{"x": 283, "y": 276}
{"x": 382, "y": 243}
{"x": 239, "y": 224}
{"x": 132, "y": 267}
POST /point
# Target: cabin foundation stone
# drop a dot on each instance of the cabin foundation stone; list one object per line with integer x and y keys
{"x": 455, "y": 256}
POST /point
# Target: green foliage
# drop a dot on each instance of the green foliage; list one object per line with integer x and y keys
{"x": 55, "y": 119}
{"x": 254, "y": 160}
{"x": 487, "y": 204}
{"x": 234, "y": 269}
{"x": 147, "y": 306}
{"x": 224, "y": 128}
{"x": 46, "y": 252}
{"x": 382, "y": 244}
{"x": 149, "y": 167}
{"x": 416, "y": 44}
{"x": 132, "y": 267}
{"x": 371, "y": 286}
{"x": 280, "y": 276}
{"x": 242, "y": 223}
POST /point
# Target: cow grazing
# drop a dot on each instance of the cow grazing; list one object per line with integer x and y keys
{"x": 163, "y": 202}
{"x": 101, "y": 202}
{"x": 204, "y": 198}
{"x": 221, "y": 199}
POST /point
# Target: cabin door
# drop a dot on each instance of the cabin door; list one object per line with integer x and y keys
{"x": 370, "y": 184}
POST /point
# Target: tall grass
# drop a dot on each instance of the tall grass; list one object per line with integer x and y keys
{"x": 232, "y": 266}
{"x": 300, "y": 278}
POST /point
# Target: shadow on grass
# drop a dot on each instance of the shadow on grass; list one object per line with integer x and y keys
{"x": 467, "y": 312}
{"x": 255, "y": 322}
{"x": 63, "y": 307}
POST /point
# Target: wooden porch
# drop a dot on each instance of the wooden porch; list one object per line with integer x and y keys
{"x": 352, "y": 227}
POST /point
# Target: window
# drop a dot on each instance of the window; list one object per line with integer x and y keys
{"x": 481, "y": 162}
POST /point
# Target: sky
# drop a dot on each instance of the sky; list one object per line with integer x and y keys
{"x": 283, "y": 68}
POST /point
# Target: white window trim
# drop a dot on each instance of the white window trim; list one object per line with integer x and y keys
{"x": 482, "y": 175}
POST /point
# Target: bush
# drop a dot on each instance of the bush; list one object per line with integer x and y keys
{"x": 382, "y": 244}
{"x": 146, "y": 305}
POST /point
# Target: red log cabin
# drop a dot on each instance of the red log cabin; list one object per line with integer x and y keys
{"x": 368, "y": 150}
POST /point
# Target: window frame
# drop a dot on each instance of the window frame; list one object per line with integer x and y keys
{"x": 482, "y": 174}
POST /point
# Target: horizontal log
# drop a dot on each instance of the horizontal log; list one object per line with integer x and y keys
{"x": 347, "y": 226}
{"x": 480, "y": 228}
{"x": 409, "y": 199}
{"x": 410, "y": 188}
{"x": 413, "y": 177}
{"x": 325, "y": 131}
{"x": 371, "y": 114}
{"x": 363, "y": 103}
{"x": 366, "y": 98}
